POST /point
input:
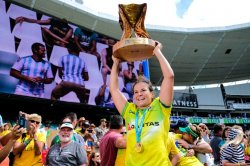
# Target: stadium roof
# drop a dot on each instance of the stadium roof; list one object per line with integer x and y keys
{"x": 198, "y": 55}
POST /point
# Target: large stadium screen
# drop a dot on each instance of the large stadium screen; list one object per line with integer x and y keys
{"x": 21, "y": 28}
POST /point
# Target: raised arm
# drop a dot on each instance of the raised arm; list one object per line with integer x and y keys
{"x": 117, "y": 96}
{"x": 68, "y": 35}
{"x": 13, "y": 136}
{"x": 167, "y": 86}
{"x": 22, "y": 19}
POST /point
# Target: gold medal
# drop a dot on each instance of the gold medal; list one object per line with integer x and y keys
{"x": 138, "y": 147}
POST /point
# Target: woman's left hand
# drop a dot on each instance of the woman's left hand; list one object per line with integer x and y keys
{"x": 158, "y": 47}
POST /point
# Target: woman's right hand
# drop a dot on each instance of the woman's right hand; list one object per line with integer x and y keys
{"x": 116, "y": 60}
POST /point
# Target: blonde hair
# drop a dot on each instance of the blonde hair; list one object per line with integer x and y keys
{"x": 237, "y": 127}
{"x": 238, "y": 136}
{"x": 34, "y": 117}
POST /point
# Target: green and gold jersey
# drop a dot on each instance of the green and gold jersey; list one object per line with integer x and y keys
{"x": 184, "y": 160}
{"x": 153, "y": 137}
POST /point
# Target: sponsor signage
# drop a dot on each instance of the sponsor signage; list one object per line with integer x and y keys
{"x": 213, "y": 120}
{"x": 241, "y": 106}
{"x": 175, "y": 119}
{"x": 195, "y": 120}
{"x": 218, "y": 120}
{"x": 229, "y": 121}
{"x": 185, "y": 100}
{"x": 244, "y": 121}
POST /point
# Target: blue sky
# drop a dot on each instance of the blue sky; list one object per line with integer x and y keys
{"x": 182, "y": 7}
{"x": 177, "y": 13}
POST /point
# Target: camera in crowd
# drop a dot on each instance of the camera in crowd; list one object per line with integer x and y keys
{"x": 22, "y": 121}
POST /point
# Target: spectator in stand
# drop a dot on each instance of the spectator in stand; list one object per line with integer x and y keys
{"x": 173, "y": 152}
{"x": 204, "y": 132}
{"x": 102, "y": 129}
{"x": 215, "y": 141}
{"x": 247, "y": 146}
{"x": 33, "y": 72}
{"x": 73, "y": 71}
{"x": 73, "y": 117}
{"x": 89, "y": 141}
{"x": 84, "y": 128}
{"x": 192, "y": 139}
{"x": 59, "y": 32}
{"x": 91, "y": 130}
{"x": 157, "y": 111}
{"x": 80, "y": 122}
{"x": 70, "y": 118}
{"x": 224, "y": 135}
{"x": 94, "y": 159}
{"x": 67, "y": 152}
{"x": 237, "y": 127}
{"x": 6, "y": 129}
{"x": 121, "y": 152}
{"x": 28, "y": 148}
{"x": 7, "y": 142}
{"x": 86, "y": 42}
{"x": 175, "y": 126}
{"x": 232, "y": 152}
{"x": 111, "y": 141}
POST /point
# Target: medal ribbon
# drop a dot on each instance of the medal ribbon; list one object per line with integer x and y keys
{"x": 138, "y": 129}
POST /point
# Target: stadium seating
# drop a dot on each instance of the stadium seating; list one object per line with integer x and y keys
{"x": 15, "y": 11}
{"x": 57, "y": 53}
{"x": 2, "y": 6}
{"x": 7, "y": 46}
{"x": 120, "y": 79}
{"x": 95, "y": 76}
{"x": 4, "y": 22}
{"x": 30, "y": 30}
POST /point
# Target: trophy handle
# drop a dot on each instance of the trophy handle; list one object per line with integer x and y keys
{"x": 125, "y": 25}
{"x": 140, "y": 30}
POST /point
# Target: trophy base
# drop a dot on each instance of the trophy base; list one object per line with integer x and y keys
{"x": 134, "y": 49}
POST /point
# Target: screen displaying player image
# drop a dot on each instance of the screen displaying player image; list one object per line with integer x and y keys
{"x": 36, "y": 59}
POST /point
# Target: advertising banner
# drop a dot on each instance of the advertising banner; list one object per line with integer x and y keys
{"x": 185, "y": 100}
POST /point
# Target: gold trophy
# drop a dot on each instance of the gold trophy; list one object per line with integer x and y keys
{"x": 131, "y": 18}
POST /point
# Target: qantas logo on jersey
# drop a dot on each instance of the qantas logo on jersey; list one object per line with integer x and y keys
{"x": 131, "y": 112}
{"x": 147, "y": 124}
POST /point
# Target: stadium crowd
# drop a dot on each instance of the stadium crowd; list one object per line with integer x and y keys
{"x": 77, "y": 141}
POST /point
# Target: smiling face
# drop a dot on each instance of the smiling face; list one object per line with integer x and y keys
{"x": 65, "y": 134}
{"x": 142, "y": 95}
{"x": 96, "y": 158}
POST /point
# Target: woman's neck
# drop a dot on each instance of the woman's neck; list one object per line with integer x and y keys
{"x": 144, "y": 108}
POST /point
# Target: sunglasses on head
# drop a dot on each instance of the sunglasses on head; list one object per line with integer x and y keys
{"x": 33, "y": 121}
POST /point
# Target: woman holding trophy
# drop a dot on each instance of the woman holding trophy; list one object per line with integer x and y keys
{"x": 147, "y": 119}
